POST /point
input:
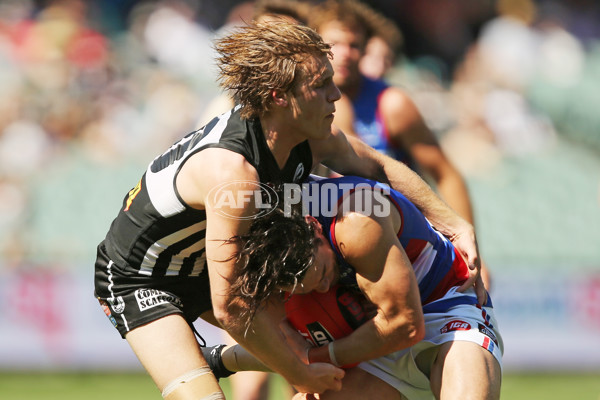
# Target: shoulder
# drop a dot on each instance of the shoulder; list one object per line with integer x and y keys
{"x": 395, "y": 99}
{"x": 367, "y": 222}
{"x": 210, "y": 168}
{"x": 399, "y": 111}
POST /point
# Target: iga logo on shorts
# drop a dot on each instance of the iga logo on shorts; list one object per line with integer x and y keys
{"x": 456, "y": 325}
{"x": 227, "y": 199}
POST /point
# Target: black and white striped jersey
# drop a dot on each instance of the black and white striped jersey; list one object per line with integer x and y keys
{"x": 155, "y": 232}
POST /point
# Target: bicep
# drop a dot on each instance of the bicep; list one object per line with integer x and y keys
{"x": 384, "y": 272}
{"x": 393, "y": 288}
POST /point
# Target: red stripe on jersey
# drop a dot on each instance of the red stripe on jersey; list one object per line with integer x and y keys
{"x": 414, "y": 248}
{"x": 456, "y": 276}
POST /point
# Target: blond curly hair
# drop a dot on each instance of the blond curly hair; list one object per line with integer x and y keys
{"x": 261, "y": 57}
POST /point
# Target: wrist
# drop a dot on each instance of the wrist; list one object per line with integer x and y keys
{"x": 324, "y": 354}
{"x": 331, "y": 352}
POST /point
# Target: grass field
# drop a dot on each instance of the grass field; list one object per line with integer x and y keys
{"x": 138, "y": 386}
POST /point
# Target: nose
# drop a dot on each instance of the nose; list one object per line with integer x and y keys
{"x": 335, "y": 94}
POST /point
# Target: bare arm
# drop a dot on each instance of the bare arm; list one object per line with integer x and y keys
{"x": 407, "y": 129}
{"x": 386, "y": 277}
{"x": 350, "y": 156}
{"x": 197, "y": 183}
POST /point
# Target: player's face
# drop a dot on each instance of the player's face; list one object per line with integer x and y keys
{"x": 323, "y": 273}
{"x": 313, "y": 99}
{"x": 347, "y": 48}
{"x": 378, "y": 58}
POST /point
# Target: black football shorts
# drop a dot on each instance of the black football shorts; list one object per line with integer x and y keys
{"x": 130, "y": 299}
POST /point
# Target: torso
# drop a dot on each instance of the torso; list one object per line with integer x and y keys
{"x": 370, "y": 125}
{"x": 156, "y": 233}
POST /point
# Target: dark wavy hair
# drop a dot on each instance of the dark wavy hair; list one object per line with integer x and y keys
{"x": 275, "y": 253}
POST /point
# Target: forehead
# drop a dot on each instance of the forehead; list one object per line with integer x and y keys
{"x": 316, "y": 68}
{"x": 338, "y": 31}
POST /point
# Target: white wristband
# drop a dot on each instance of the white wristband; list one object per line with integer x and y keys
{"x": 332, "y": 354}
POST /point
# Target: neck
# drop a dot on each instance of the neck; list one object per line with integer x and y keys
{"x": 280, "y": 140}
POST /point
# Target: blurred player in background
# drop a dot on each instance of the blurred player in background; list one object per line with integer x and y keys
{"x": 382, "y": 48}
{"x": 427, "y": 339}
{"x": 166, "y": 259}
{"x": 385, "y": 117}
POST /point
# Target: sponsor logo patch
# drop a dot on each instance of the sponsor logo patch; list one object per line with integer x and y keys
{"x": 456, "y": 325}
{"x": 319, "y": 334}
{"x": 483, "y": 329}
{"x": 299, "y": 172}
{"x": 117, "y": 304}
{"x": 148, "y": 298}
{"x": 106, "y": 310}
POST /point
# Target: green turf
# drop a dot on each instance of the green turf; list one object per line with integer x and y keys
{"x": 134, "y": 386}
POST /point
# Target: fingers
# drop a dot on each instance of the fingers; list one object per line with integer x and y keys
{"x": 466, "y": 243}
{"x": 475, "y": 281}
{"x": 480, "y": 291}
{"x": 337, "y": 380}
{"x": 473, "y": 274}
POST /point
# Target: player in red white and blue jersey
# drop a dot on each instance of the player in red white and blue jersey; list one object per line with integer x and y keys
{"x": 450, "y": 317}
{"x": 426, "y": 338}
{"x": 435, "y": 261}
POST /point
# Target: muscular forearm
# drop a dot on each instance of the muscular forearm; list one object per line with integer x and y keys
{"x": 265, "y": 341}
{"x": 236, "y": 358}
{"x": 374, "y": 339}
{"x": 380, "y": 167}
{"x": 407, "y": 182}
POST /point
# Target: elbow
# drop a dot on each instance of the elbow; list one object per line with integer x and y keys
{"x": 409, "y": 332}
{"x": 225, "y": 318}
{"x": 416, "y": 332}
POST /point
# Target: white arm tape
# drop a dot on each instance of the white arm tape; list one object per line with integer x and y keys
{"x": 332, "y": 354}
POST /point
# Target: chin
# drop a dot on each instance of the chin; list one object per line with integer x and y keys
{"x": 322, "y": 134}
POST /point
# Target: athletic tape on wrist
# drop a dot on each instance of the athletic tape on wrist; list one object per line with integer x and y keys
{"x": 332, "y": 354}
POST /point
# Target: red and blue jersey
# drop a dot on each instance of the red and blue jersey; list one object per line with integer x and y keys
{"x": 437, "y": 264}
{"x": 369, "y": 124}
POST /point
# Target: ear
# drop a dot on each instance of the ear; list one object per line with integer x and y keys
{"x": 314, "y": 222}
{"x": 280, "y": 97}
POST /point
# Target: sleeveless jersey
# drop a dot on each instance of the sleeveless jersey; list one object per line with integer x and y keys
{"x": 436, "y": 263}
{"x": 369, "y": 124}
{"x": 156, "y": 233}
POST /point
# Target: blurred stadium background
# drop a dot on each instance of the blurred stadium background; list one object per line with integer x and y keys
{"x": 92, "y": 90}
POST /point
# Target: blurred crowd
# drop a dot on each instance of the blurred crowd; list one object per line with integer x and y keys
{"x": 105, "y": 85}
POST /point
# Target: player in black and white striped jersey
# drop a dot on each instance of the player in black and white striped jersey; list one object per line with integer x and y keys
{"x": 166, "y": 260}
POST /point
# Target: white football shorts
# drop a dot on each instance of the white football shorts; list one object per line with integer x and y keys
{"x": 454, "y": 317}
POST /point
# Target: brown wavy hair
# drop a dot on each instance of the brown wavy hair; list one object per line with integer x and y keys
{"x": 261, "y": 57}
{"x": 295, "y": 9}
{"x": 276, "y": 252}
